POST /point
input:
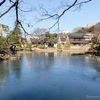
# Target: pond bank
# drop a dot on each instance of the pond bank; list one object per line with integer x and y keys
{"x": 84, "y": 50}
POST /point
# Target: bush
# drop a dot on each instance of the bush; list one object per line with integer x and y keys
{"x": 41, "y": 46}
{"x": 29, "y": 46}
{"x": 67, "y": 45}
{"x": 59, "y": 45}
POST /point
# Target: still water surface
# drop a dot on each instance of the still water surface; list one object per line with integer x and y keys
{"x": 50, "y": 76}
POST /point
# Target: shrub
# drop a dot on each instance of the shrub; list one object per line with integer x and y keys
{"x": 67, "y": 45}
{"x": 59, "y": 45}
{"x": 41, "y": 46}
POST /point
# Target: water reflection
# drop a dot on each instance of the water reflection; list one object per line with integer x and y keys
{"x": 8, "y": 68}
{"x": 4, "y": 70}
{"x": 16, "y": 68}
{"x": 49, "y": 76}
{"x": 39, "y": 61}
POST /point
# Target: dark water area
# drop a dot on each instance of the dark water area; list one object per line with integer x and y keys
{"x": 50, "y": 76}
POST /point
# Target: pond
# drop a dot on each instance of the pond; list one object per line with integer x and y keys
{"x": 50, "y": 76}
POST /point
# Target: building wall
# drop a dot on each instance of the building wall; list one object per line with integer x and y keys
{"x": 90, "y": 25}
{"x": 0, "y": 29}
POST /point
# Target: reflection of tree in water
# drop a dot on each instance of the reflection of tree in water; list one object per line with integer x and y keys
{"x": 92, "y": 63}
{"x": 16, "y": 67}
{"x": 28, "y": 60}
{"x": 43, "y": 61}
{"x": 4, "y": 69}
{"x": 93, "y": 67}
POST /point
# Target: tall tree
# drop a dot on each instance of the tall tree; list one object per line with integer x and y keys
{"x": 15, "y": 35}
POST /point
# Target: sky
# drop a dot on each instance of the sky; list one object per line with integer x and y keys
{"x": 70, "y": 20}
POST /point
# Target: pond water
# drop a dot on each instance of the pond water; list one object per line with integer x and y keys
{"x": 50, "y": 76}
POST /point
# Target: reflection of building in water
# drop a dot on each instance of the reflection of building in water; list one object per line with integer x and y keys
{"x": 28, "y": 60}
{"x": 55, "y": 54}
{"x": 46, "y": 54}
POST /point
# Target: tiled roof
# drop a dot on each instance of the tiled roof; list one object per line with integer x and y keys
{"x": 76, "y": 35}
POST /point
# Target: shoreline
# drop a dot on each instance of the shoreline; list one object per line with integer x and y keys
{"x": 49, "y": 50}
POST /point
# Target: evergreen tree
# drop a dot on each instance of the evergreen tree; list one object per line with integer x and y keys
{"x": 15, "y": 35}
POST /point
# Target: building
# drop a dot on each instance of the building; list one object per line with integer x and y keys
{"x": 75, "y": 38}
{"x": 1, "y": 30}
{"x": 90, "y": 25}
{"x": 80, "y": 38}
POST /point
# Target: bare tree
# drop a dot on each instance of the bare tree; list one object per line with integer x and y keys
{"x": 77, "y": 29}
{"x": 39, "y": 31}
{"x": 14, "y": 4}
{"x": 64, "y": 7}
{"x": 45, "y": 13}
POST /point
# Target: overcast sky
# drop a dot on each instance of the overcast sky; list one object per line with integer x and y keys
{"x": 89, "y": 13}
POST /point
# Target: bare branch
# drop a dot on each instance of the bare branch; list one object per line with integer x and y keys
{"x": 8, "y": 10}
{"x": 2, "y": 2}
{"x": 46, "y": 14}
{"x": 68, "y": 8}
{"x": 23, "y": 28}
{"x": 16, "y": 7}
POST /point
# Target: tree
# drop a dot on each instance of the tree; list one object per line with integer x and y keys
{"x": 47, "y": 15}
{"x": 75, "y": 30}
{"x": 15, "y": 36}
{"x": 39, "y": 31}
{"x": 3, "y": 44}
{"x": 64, "y": 7}
{"x": 84, "y": 30}
{"x": 67, "y": 45}
{"x": 1, "y": 29}
{"x": 50, "y": 38}
{"x": 5, "y": 28}
{"x": 91, "y": 29}
{"x": 14, "y": 4}
{"x": 97, "y": 30}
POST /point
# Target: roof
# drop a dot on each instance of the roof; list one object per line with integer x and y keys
{"x": 62, "y": 37}
{"x": 76, "y": 35}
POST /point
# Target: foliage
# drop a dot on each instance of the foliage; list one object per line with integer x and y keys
{"x": 29, "y": 46}
{"x": 59, "y": 45}
{"x": 5, "y": 28}
{"x": 3, "y": 45}
{"x": 67, "y": 45}
{"x": 15, "y": 36}
{"x": 48, "y": 35}
{"x": 96, "y": 31}
{"x": 50, "y": 38}
{"x": 85, "y": 30}
{"x": 54, "y": 34}
{"x": 91, "y": 29}
{"x": 41, "y": 46}
{"x": 75, "y": 30}
{"x": 50, "y": 41}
